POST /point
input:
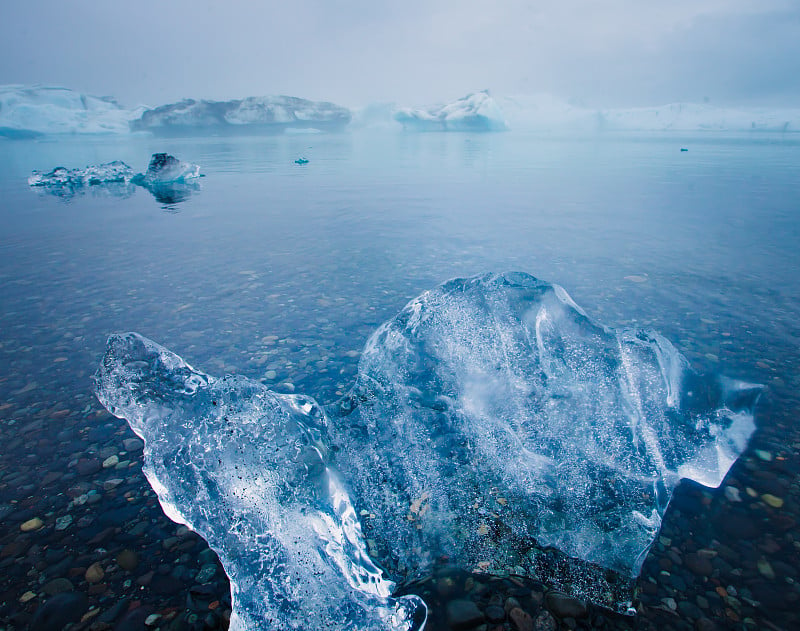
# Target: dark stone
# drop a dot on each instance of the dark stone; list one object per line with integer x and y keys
{"x": 704, "y": 624}
{"x": 698, "y": 565}
{"x": 463, "y": 614}
{"x": 495, "y": 614}
{"x": 564, "y": 606}
{"x": 114, "y": 612}
{"x": 520, "y": 619}
{"x": 689, "y": 609}
{"x": 57, "y": 586}
{"x": 60, "y": 610}
{"x": 133, "y": 620}
{"x": 88, "y": 466}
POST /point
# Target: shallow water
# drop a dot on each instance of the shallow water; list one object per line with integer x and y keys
{"x": 279, "y": 272}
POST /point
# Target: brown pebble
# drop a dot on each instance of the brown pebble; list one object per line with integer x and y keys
{"x": 94, "y": 573}
{"x": 521, "y": 619}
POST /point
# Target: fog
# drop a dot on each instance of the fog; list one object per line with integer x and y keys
{"x": 595, "y": 53}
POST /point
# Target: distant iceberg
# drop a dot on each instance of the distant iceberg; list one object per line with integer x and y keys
{"x": 30, "y": 111}
{"x": 267, "y": 114}
{"x": 474, "y": 112}
{"x": 544, "y": 112}
{"x": 492, "y": 422}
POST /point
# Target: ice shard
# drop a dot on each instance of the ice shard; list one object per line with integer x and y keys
{"x": 247, "y": 469}
{"x": 492, "y": 423}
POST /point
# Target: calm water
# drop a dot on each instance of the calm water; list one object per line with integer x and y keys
{"x": 280, "y": 271}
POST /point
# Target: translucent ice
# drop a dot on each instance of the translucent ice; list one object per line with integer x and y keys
{"x": 474, "y": 112}
{"x": 492, "y": 423}
{"x": 492, "y": 419}
{"x": 116, "y": 171}
{"x": 248, "y": 470}
{"x": 165, "y": 169}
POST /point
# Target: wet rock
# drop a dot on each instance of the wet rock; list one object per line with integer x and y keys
{"x": 94, "y": 573}
{"x": 31, "y": 525}
{"x": 88, "y": 466}
{"x": 689, "y": 610}
{"x": 59, "y": 611}
{"x": 134, "y": 619}
{"x": 133, "y": 444}
{"x": 128, "y": 560}
{"x": 545, "y": 622}
{"x": 698, "y": 564}
{"x": 495, "y": 614}
{"x": 520, "y": 619}
{"x": 57, "y": 586}
{"x": 564, "y": 606}
{"x": 463, "y": 614}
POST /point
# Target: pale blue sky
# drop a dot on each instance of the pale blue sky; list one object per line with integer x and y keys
{"x": 603, "y": 53}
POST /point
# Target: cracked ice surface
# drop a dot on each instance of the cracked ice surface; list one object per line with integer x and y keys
{"x": 492, "y": 422}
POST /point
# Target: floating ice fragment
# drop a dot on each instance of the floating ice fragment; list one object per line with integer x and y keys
{"x": 492, "y": 422}
{"x": 166, "y": 169}
{"x": 116, "y": 171}
{"x": 248, "y": 470}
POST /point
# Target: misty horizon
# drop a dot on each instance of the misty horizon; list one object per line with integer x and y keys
{"x": 619, "y": 54}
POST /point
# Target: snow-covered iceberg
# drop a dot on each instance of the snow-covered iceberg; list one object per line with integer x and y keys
{"x": 29, "y": 111}
{"x": 492, "y": 422}
{"x": 267, "y": 114}
{"x": 474, "y": 112}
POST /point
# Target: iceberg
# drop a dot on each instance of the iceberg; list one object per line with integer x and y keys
{"x": 267, "y": 114}
{"x": 30, "y": 111}
{"x": 492, "y": 423}
{"x": 474, "y": 112}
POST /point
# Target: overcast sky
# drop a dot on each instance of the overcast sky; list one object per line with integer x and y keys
{"x": 598, "y": 52}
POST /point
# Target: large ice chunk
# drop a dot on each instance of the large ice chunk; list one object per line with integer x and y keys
{"x": 27, "y": 111}
{"x": 493, "y": 420}
{"x": 492, "y": 423}
{"x": 248, "y": 470}
{"x": 474, "y": 112}
{"x": 271, "y": 114}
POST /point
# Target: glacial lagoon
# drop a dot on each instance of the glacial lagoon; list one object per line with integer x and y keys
{"x": 279, "y": 272}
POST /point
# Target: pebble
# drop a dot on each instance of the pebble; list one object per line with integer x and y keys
{"x": 27, "y": 596}
{"x": 62, "y": 523}
{"x": 545, "y": 622}
{"x": 521, "y": 619}
{"x": 732, "y": 494}
{"x": 564, "y": 606}
{"x": 95, "y": 573}
{"x": 133, "y": 444}
{"x": 765, "y": 569}
{"x": 772, "y": 500}
{"x": 111, "y": 461}
{"x": 57, "y": 586}
{"x": 463, "y": 614}
{"x": 128, "y": 560}
{"x": 31, "y": 525}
